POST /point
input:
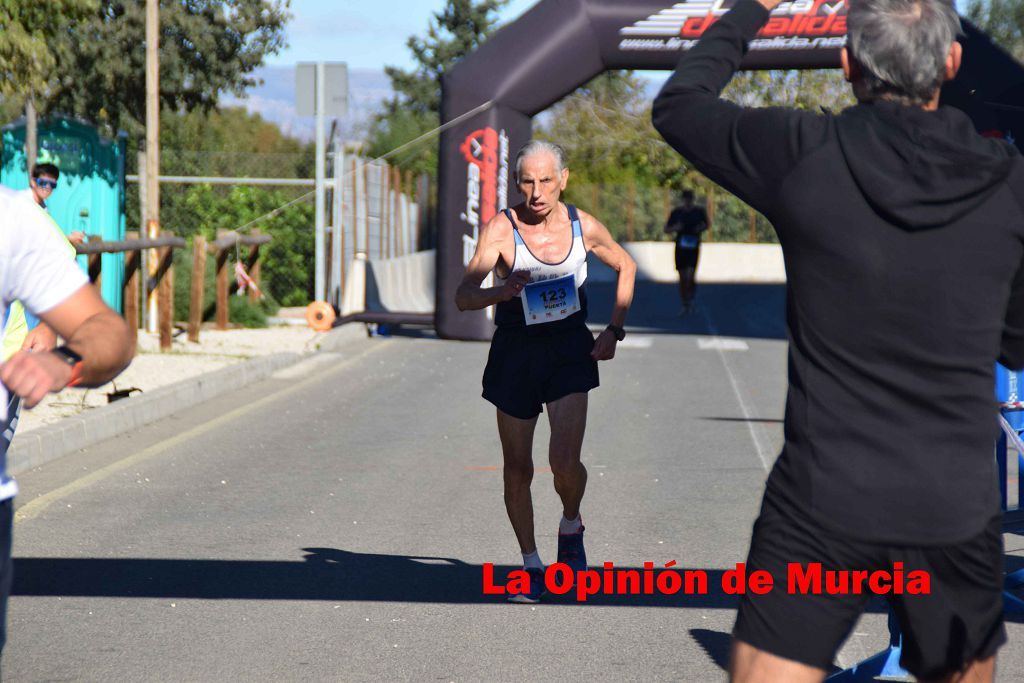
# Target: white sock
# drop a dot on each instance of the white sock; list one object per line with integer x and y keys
{"x": 532, "y": 561}
{"x": 570, "y": 526}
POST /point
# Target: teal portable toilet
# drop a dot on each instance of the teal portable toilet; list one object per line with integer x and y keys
{"x": 90, "y": 192}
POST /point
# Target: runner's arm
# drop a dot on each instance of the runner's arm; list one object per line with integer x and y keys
{"x": 608, "y": 251}
{"x": 748, "y": 151}
{"x": 470, "y": 296}
{"x": 671, "y": 225}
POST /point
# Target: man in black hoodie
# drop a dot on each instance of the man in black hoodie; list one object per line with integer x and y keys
{"x": 903, "y": 234}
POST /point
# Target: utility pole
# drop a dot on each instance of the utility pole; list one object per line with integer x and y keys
{"x": 320, "y": 193}
{"x": 152, "y": 227}
{"x": 31, "y": 142}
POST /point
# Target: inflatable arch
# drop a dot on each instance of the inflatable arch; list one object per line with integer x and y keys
{"x": 559, "y": 45}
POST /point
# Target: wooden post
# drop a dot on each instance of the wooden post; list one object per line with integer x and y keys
{"x": 355, "y": 205}
{"x": 195, "y": 308}
{"x": 341, "y": 236}
{"x": 165, "y": 297}
{"x": 422, "y": 199}
{"x": 385, "y": 224}
{"x": 131, "y": 290}
{"x": 96, "y": 269}
{"x": 666, "y": 197}
{"x": 710, "y": 210}
{"x": 252, "y": 266}
{"x": 631, "y": 210}
{"x": 408, "y": 234}
{"x": 328, "y": 263}
{"x": 753, "y": 225}
{"x": 396, "y": 215}
{"x": 222, "y": 289}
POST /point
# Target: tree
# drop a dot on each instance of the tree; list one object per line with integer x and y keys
{"x": 28, "y": 31}
{"x": 1003, "y": 20}
{"x": 207, "y": 47}
{"x": 453, "y": 33}
{"x": 223, "y": 142}
{"x": 625, "y": 173}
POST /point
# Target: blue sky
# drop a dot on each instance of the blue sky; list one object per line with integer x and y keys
{"x": 366, "y": 34}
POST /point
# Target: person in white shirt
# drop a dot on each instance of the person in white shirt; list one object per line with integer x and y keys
{"x": 35, "y": 269}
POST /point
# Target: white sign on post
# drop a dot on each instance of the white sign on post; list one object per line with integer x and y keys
{"x": 335, "y": 89}
{"x": 321, "y": 90}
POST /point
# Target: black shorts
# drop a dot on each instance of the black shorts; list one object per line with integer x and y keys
{"x": 526, "y": 369}
{"x": 959, "y": 621}
{"x": 686, "y": 258}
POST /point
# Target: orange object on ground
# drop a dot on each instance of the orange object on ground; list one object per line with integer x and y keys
{"x": 320, "y": 316}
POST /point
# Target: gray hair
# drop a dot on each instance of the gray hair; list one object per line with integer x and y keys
{"x": 535, "y": 146}
{"x": 901, "y": 47}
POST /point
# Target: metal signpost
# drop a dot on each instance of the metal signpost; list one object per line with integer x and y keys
{"x": 321, "y": 90}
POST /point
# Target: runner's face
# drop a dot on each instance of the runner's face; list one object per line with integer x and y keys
{"x": 541, "y": 183}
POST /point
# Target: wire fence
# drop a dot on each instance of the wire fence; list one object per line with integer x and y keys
{"x": 381, "y": 212}
{"x": 377, "y": 213}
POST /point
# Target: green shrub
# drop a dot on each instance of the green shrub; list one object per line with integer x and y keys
{"x": 243, "y": 312}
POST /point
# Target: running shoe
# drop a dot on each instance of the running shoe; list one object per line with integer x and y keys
{"x": 536, "y": 588}
{"x": 572, "y": 552}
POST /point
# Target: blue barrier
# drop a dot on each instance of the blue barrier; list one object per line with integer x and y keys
{"x": 885, "y": 665}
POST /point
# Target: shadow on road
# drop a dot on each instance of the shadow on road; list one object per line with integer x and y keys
{"x": 322, "y": 574}
{"x": 730, "y": 310}
{"x": 759, "y": 420}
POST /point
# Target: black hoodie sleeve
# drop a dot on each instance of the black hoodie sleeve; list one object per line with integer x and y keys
{"x": 1012, "y": 351}
{"x": 747, "y": 151}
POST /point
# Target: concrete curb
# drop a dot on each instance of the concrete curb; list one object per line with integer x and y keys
{"x": 48, "y": 443}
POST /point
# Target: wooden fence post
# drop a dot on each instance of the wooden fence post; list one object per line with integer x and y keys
{"x": 222, "y": 287}
{"x": 710, "y": 210}
{"x": 195, "y": 309}
{"x": 631, "y": 211}
{"x": 753, "y": 225}
{"x": 398, "y": 231}
{"x": 165, "y": 297}
{"x": 131, "y": 290}
{"x": 252, "y": 266}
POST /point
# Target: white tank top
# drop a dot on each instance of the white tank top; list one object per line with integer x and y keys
{"x": 565, "y": 309}
{"x": 575, "y": 262}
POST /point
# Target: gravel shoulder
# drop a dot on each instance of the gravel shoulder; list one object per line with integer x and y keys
{"x": 152, "y": 369}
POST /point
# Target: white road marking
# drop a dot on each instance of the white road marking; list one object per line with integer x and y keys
{"x": 720, "y": 345}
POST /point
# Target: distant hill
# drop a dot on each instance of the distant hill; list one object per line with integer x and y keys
{"x": 274, "y": 100}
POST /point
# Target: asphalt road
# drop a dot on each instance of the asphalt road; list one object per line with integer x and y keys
{"x": 331, "y": 523}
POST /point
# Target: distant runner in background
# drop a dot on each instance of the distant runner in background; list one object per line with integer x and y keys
{"x": 687, "y": 222}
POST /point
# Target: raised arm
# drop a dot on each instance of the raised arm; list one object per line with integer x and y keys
{"x": 470, "y": 296}
{"x": 746, "y": 150}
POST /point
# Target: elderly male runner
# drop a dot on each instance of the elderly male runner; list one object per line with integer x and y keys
{"x": 903, "y": 234}
{"x": 542, "y": 352}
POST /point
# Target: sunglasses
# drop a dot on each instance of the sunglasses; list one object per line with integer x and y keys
{"x": 45, "y": 184}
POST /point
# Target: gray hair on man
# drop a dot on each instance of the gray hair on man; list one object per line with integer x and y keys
{"x": 537, "y": 146}
{"x": 901, "y": 47}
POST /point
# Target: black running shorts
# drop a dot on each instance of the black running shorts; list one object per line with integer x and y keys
{"x": 527, "y": 368}
{"x": 959, "y": 621}
{"x": 686, "y": 258}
